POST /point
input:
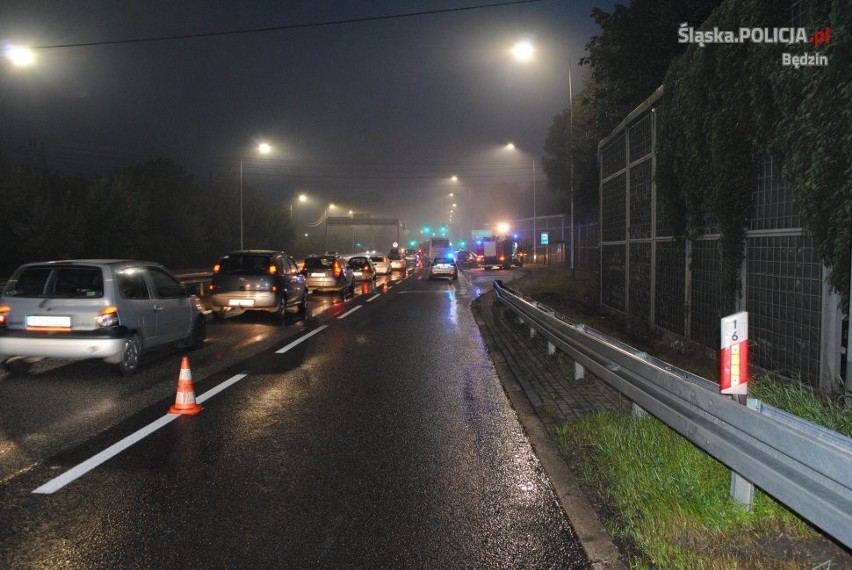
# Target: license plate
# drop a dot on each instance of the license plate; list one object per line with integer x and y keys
{"x": 357, "y": 273}
{"x": 241, "y": 302}
{"x": 48, "y": 321}
{"x": 317, "y": 274}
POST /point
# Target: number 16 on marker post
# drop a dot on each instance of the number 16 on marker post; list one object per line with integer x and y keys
{"x": 734, "y": 377}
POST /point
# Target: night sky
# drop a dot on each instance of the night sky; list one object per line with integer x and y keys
{"x": 354, "y": 100}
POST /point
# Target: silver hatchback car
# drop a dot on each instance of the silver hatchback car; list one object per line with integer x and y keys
{"x": 258, "y": 280}
{"x": 94, "y": 308}
{"x": 328, "y": 273}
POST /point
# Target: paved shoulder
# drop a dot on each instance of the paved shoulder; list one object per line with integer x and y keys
{"x": 542, "y": 399}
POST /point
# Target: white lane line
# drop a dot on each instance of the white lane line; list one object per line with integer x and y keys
{"x": 223, "y": 386}
{"x": 349, "y": 312}
{"x": 373, "y": 298}
{"x": 76, "y": 472}
{"x": 301, "y": 340}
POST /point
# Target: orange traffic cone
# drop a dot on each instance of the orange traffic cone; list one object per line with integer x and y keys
{"x": 185, "y": 400}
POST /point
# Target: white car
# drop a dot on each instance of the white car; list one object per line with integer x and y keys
{"x": 397, "y": 261}
{"x": 381, "y": 264}
{"x": 443, "y": 267}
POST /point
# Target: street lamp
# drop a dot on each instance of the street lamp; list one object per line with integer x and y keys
{"x": 524, "y": 51}
{"x": 329, "y": 207}
{"x": 20, "y": 56}
{"x": 511, "y": 146}
{"x": 262, "y": 148}
{"x": 301, "y": 198}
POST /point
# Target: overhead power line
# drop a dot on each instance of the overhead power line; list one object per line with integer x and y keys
{"x": 287, "y": 27}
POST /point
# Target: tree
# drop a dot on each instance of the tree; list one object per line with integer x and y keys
{"x": 627, "y": 63}
{"x": 629, "y": 58}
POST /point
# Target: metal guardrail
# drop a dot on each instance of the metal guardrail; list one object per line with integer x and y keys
{"x": 804, "y": 466}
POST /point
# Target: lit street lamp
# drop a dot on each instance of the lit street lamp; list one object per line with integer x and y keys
{"x": 262, "y": 148}
{"x": 524, "y": 51}
{"x": 20, "y": 56}
{"x": 511, "y": 146}
{"x": 301, "y": 198}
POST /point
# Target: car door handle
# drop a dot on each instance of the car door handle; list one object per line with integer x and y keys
{"x": 158, "y": 307}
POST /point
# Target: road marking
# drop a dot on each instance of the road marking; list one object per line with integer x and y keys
{"x": 301, "y": 340}
{"x": 223, "y": 386}
{"x": 373, "y": 298}
{"x": 350, "y": 311}
{"x": 78, "y": 471}
{"x": 75, "y": 473}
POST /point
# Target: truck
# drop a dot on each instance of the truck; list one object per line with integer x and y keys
{"x": 494, "y": 252}
{"x": 440, "y": 247}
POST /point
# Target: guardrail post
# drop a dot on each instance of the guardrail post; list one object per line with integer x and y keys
{"x": 532, "y": 332}
{"x": 742, "y": 490}
{"x": 579, "y": 371}
{"x": 551, "y": 348}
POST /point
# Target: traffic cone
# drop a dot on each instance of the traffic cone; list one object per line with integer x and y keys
{"x": 185, "y": 400}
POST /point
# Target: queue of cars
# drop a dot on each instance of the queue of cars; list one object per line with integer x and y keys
{"x": 117, "y": 310}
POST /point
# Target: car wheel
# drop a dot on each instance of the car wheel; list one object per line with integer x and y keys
{"x": 17, "y": 366}
{"x": 281, "y": 313}
{"x": 199, "y": 333}
{"x": 130, "y": 352}
{"x": 303, "y": 306}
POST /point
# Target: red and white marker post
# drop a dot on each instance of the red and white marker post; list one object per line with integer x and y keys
{"x": 734, "y": 377}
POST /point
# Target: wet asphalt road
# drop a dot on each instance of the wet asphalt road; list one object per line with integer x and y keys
{"x": 383, "y": 440}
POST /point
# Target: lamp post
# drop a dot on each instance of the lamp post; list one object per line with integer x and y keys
{"x": 524, "y": 51}
{"x": 329, "y": 207}
{"x": 511, "y": 146}
{"x": 301, "y": 198}
{"x": 262, "y": 148}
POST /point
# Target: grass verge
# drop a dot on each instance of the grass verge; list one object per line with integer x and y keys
{"x": 665, "y": 501}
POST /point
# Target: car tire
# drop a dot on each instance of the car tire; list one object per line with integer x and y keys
{"x": 130, "y": 353}
{"x": 281, "y": 312}
{"x": 17, "y": 366}
{"x": 198, "y": 334}
{"x": 303, "y": 306}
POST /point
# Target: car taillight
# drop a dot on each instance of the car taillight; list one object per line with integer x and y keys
{"x": 107, "y": 317}
{"x": 272, "y": 269}
{"x": 337, "y": 270}
{"x": 216, "y": 268}
{"x": 4, "y": 314}
{"x": 211, "y": 287}
{"x": 502, "y": 258}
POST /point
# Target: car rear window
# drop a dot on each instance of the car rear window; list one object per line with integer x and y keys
{"x": 443, "y": 261}
{"x": 379, "y": 259}
{"x": 357, "y": 261}
{"x": 245, "y": 264}
{"x": 60, "y": 282}
{"x": 318, "y": 263}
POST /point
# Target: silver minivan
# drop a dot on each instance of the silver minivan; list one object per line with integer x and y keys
{"x": 95, "y": 308}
